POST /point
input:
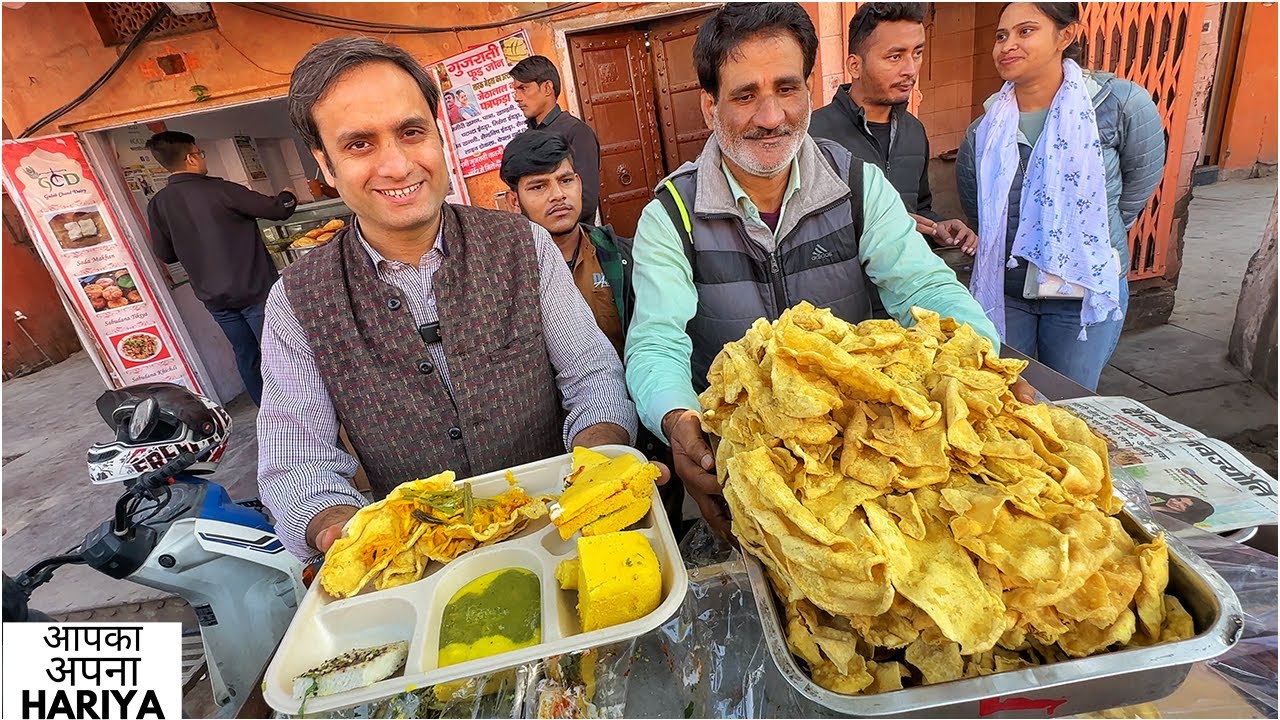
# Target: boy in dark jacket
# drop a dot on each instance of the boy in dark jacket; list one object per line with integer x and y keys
{"x": 535, "y": 87}
{"x": 869, "y": 115}
{"x": 538, "y": 166}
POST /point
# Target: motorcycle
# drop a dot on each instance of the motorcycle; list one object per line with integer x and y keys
{"x": 175, "y": 530}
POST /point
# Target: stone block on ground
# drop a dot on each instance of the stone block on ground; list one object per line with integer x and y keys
{"x": 1174, "y": 360}
{"x": 1221, "y": 412}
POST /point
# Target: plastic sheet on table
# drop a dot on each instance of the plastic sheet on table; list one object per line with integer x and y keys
{"x": 592, "y": 683}
{"x": 1249, "y": 668}
{"x": 710, "y": 659}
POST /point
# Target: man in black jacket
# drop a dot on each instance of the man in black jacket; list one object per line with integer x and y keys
{"x": 536, "y": 85}
{"x": 207, "y": 224}
{"x": 869, "y": 115}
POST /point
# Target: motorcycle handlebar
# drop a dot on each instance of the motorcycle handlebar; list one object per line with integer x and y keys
{"x": 161, "y": 477}
{"x": 40, "y": 573}
{"x": 145, "y": 485}
{"x": 18, "y": 589}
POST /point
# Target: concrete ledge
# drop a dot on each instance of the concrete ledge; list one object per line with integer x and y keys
{"x": 1149, "y": 308}
{"x": 1259, "y": 170}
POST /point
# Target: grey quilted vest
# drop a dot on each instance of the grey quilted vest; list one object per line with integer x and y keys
{"x": 739, "y": 281}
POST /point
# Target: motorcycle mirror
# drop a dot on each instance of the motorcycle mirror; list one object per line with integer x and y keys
{"x": 143, "y": 420}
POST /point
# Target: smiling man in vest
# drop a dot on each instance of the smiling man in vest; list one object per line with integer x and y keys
{"x": 756, "y": 243}
{"x": 441, "y": 337}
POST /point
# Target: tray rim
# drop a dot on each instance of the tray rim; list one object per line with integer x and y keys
{"x": 288, "y": 704}
{"x": 1216, "y": 639}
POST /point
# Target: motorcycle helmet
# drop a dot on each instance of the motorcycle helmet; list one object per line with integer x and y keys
{"x": 154, "y": 424}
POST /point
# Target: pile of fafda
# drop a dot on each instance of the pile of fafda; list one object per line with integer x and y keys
{"x": 917, "y": 522}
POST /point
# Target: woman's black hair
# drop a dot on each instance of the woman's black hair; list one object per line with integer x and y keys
{"x": 1062, "y": 14}
{"x": 1198, "y": 511}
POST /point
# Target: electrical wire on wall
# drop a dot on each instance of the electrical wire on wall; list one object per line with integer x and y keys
{"x": 340, "y": 23}
{"x": 287, "y": 13}
{"x": 251, "y": 61}
{"x": 138, "y": 37}
{"x": 385, "y": 30}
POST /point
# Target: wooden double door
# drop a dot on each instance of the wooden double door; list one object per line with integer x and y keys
{"x": 639, "y": 92}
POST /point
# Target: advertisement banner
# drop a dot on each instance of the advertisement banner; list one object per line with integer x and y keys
{"x": 248, "y": 151}
{"x": 457, "y": 193}
{"x": 479, "y": 109}
{"x": 81, "y": 241}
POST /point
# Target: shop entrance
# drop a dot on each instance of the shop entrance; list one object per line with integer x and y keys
{"x": 639, "y": 92}
{"x": 253, "y": 145}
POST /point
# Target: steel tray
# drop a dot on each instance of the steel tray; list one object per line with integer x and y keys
{"x": 1125, "y": 677}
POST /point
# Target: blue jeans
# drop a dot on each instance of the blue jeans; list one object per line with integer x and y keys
{"x": 1047, "y": 330}
{"x": 244, "y": 329}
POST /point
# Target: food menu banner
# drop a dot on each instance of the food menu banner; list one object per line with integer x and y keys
{"x": 81, "y": 241}
{"x": 479, "y": 108}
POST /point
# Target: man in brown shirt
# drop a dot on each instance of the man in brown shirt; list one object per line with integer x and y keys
{"x": 539, "y": 168}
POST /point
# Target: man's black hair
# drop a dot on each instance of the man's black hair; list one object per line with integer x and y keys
{"x": 870, "y": 15}
{"x": 537, "y": 69}
{"x": 171, "y": 148}
{"x": 735, "y": 23}
{"x": 532, "y": 152}
{"x": 326, "y": 62}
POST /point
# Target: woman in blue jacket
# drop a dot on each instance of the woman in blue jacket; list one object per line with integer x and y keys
{"x": 1056, "y": 171}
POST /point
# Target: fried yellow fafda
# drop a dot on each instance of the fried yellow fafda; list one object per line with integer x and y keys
{"x": 391, "y": 542}
{"x": 918, "y": 523}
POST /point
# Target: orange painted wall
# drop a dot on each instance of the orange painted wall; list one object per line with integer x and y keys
{"x": 1249, "y": 134}
{"x": 52, "y": 51}
{"x": 29, "y": 288}
{"x": 946, "y": 81}
{"x": 986, "y": 80}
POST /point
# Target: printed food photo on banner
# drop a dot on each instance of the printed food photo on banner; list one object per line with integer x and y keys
{"x": 515, "y": 48}
{"x": 79, "y": 229}
{"x": 139, "y": 347}
{"x": 110, "y": 290}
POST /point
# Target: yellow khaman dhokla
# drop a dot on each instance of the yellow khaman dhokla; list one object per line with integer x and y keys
{"x": 603, "y": 494}
{"x": 619, "y": 579}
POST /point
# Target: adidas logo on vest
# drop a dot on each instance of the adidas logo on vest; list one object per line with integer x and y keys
{"x": 820, "y": 253}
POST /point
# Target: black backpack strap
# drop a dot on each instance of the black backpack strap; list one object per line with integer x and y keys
{"x": 855, "y": 183}
{"x": 856, "y": 201}
{"x": 678, "y": 212}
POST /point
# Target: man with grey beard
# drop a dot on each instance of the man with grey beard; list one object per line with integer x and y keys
{"x": 766, "y": 217}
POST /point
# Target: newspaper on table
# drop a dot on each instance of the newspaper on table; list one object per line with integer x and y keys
{"x": 1197, "y": 479}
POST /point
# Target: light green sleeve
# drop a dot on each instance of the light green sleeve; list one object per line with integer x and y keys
{"x": 901, "y": 264}
{"x": 658, "y": 350}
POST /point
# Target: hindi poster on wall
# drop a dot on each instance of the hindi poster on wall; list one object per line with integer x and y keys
{"x": 480, "y": 113}
{"x": 457, "y": 193}
{"x": 79, "y": 239}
